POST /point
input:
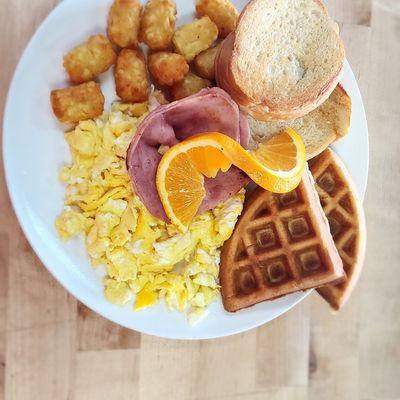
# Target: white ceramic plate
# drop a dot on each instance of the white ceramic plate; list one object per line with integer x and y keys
{"x": 34, "y": 150}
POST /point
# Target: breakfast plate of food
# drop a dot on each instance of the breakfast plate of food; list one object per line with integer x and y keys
{"x": 190, "y": 169}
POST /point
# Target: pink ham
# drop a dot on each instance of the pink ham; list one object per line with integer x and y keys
{"x": 207, "y": 111}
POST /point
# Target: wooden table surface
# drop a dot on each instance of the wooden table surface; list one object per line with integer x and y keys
{"x": 52, "y": 347}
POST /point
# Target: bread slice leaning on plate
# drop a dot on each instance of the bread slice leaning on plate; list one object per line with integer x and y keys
{"x": 284, "y": 59}
{"x": 326, "y": 124}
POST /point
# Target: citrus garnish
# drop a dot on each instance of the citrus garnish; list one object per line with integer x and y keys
{"x": 277, "y": 166}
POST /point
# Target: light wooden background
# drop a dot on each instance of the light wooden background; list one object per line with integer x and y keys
{"x": 52, "y": 347}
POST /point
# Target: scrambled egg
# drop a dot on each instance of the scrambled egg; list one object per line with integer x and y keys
{"x": 145, "y": 259}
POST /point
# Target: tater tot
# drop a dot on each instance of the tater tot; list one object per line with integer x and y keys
{"x": 131, "y": 80}
{"x": 159, "y": 96}
{"x": 167, "y": 68}
{"x": 204, "y": 63}
{"x": 193, "y": 38}
{"x": 77, "y": 103}
{"x": 85, "y": 62}
{"x": 222, "y": 12}
{"x": 158, "y": 24}
{"x": 191, "y": 84}
{"x": 124, "y": 23}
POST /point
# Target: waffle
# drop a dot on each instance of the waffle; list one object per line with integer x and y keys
{"x": 346, "y": 219}
{"x": 281, "y": 245}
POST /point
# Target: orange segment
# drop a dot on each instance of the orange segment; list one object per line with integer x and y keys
{"x": 279, "y": 152}
{"x": 277, "y": 165}
{"x": 184, "y": 190}
{"x": 209, "y": 160}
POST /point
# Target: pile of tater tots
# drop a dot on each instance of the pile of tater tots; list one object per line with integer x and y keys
{"x": 178, "y": 62}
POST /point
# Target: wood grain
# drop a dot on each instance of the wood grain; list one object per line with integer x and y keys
{"x": 40, "y": 329}
{"x": 380, "y": 324}
{"x": 330, "y": 369}
{"x": 355, "y": 12}
{"x": 283, "y": 349}
{"x": 51, "y": 347}
{"x": 4, "y": 257}
{"x": 97, "y": 333}
{"x": 105, "y": 375}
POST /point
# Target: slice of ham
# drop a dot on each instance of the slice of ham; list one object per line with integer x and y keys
{"x": 207, "y": 111}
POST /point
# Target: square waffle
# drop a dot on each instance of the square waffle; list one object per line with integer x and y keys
{"x": 281, "y": 244}
{"x": 346, "y": 219}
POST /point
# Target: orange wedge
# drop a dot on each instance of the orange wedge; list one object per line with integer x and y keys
{"x": 277, "y": 166}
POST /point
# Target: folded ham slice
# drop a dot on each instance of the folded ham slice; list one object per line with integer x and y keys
{"x": 207, "y": 111}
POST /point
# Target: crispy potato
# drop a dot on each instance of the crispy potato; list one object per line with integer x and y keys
{"x": 157, "y": 98}
{"x": 160, "y": 97}
{"x": 123, "y": 24}
{"x": 204, "y": 63}
{"x": 133, "y": 109}
{"x": 77, "y": 103}
{"x": 222, "y": 12}
{"x": 191, "y": 84}
{"x": 131, "y": 80}
{"x": 85, "y": 62}
{"x": 193, "y": 38}
{"x": 158, "y": 24}
{"x": 167, "y": 68}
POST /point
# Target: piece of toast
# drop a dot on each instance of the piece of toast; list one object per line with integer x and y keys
{"x": 284, "y": 59}
{"x": 326, "y": 124}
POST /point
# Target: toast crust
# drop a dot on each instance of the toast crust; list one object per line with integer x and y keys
{"x": 265, "y": 94}
{"x": 326, "y": 124}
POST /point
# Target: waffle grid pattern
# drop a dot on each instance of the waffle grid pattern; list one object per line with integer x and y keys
{"x": 339, "y": 207}
{"x": 346, "y": 220}
{"x": 264, "y": 259}
{"x": 278, "y": 248}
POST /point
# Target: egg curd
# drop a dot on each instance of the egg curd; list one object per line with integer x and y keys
{"x": 145, "y": 258}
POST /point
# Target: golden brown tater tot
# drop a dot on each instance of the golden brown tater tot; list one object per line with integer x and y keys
{"x": 191, "y": 84}
{"x": 193, "y": 38}
{"x": 222, "y": 12}
{"x": 85, "y": 62}
{"x": 77, "y": 103}
{"x": 158, "y": 24}
{"x": 204, "y": 63}
{"x": 167, "y": 68}
{"x": 124, "y": 23}
{"x": 131, "y": 80}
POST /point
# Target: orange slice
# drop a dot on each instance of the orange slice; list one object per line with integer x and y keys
{"x": 277, "y": 166}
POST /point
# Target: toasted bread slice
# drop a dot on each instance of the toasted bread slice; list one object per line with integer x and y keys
{"x": 284, "y": 59}
{"x": 318, "y": 129}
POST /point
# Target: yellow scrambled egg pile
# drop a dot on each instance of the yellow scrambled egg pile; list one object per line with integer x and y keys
{"x": 143, "y": 255}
